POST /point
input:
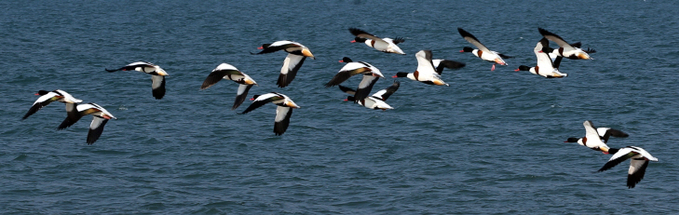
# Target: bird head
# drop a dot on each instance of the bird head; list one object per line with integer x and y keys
{"x": 467, "y": 49}
{"x": 522, "y": 68}
{"x": 358, "y": 40}
{"x": 400, "y": 75}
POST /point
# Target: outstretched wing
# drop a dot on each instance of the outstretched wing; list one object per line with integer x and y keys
{"x": 398, "y": 40}
{"x": 71, "y": 118}
{"x": 617, "y": 158}
{"x": 472, "y": 39}
{"x": 385, "y": 93}
{"x": 365, "y": 87}
{"x": 261, "y": 100}
{"x": 450, "y": 64}
{"x": 362, "y": 34}
{"x": 291, "y": 65}
{"x": 158, "y": 87}
{"x": 350, "y": 69}
{"x": 216, "y": 76}
{"x": 41, "y": 102}
{"x": 241, "y": 95}
{"x": 96, "y": 128}
{"x": 636, "y": 172}
{"x": 282, "y": 121}
{"x": 554, "y": 38}
{"x": 347, "y": 90}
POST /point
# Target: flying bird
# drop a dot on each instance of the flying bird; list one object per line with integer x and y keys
{"x": 376, "y": 101}
{"x": 426, "y": 72}
{"x": 603, "y": 132}
{"x": 639, "y": 159}
{"x": 441, "y": 64}
{"x": 47, "y": 97}
{"x": 481, "y": 50}
{"x": 370, "y": 76}
{"x": 595, "y": 139}
{"x": 283, "y": 111}
{"x": 229, "y": 72}
{"x": 352, "y": 68}
{"x": 297, "y": 53}
{"x": 386, "y": 45}
{"x": 157, "y": 75}
{"x": 570, "y": 51}
{"x": 545, "y": 66}
{"x": 99, "y": 118}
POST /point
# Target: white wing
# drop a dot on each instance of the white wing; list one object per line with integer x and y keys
{"x": 425, "y": 67}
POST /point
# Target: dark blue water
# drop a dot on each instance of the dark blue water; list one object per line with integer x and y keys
{"x": 491, "y": 143}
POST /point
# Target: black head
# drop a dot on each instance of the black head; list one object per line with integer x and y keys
{"x": 467, "y": 49}
{"x": 358, "y": 40}
{"x": 522, "y": 68}
{"x": 42, "y": 92}
{"x": 350, "y": 98}
{"x": 613, "y": 150}
{"x": 264, "y": 46}
{"x": 254, "y": 97}
{"x": 400, "y": 75}
{"x": 345, "y": 60}
{"x": 572, "y": 140}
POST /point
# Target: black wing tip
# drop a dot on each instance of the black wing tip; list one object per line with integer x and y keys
{"x": 111, "y": 70}
{"x": 237, "y": 104}
{"x": 346, "y": 89}
{"x": 158, "y": 94}
{"x": 545, "y": 33}
{"x": 64, "y": 125}
{"x": 463, "y": 32}
{"x": 247, "y": 110}
{"x": 356, "y": 31}
{"x": 450, "y": 64}
{"x": 398, "y": 40}
{"x": 505, "y": 56}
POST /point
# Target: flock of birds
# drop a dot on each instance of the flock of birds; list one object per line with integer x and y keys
{"x": 428, "y": 71}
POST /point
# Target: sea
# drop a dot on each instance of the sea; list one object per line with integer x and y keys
{"x": 490, "y": 143}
